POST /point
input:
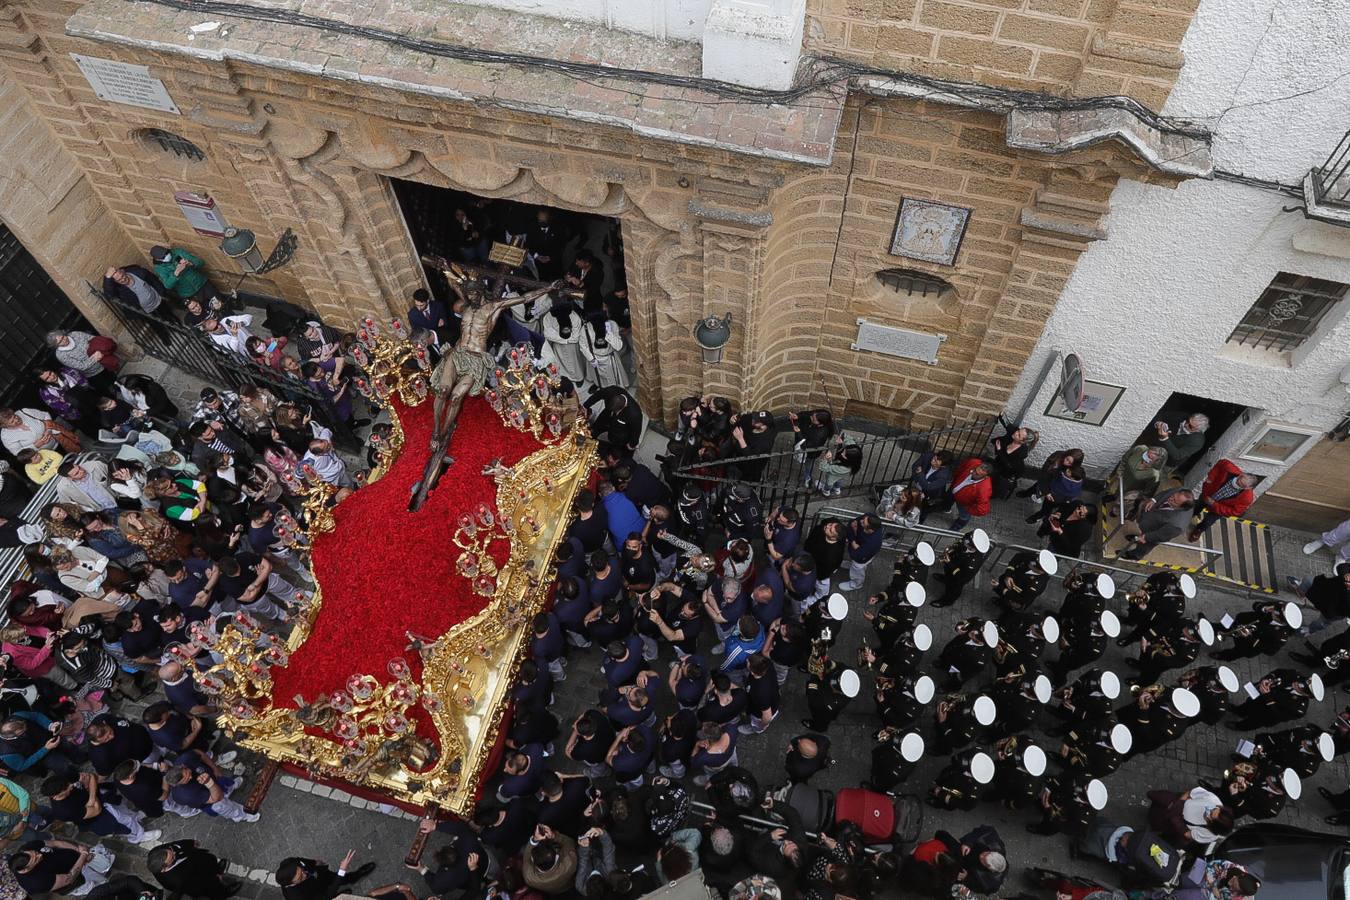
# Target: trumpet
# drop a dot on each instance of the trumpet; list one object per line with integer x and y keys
{"x": 1334, "y": 661}
{"x": 1139, "y": 598}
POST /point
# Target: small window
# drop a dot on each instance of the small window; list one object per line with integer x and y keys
{"x": 914, "y": 284}
{"x": 1287, "y": 313}
{"x": 168, "y": 142}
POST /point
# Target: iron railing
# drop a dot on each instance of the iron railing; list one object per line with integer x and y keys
{"x": 193, "y": 352}
{"x": 906, "y": 536}
{"x": 1331, "y": 180}
{"x": 886, "y": 459}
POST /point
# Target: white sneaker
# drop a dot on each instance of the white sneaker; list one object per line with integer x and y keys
{"x": 227, "y": 757}
{"x": 849, "y": 586}
{"x": 1312, "y": 546}
{"x": 251, "y": 817}
{"x": 149, "y": 837}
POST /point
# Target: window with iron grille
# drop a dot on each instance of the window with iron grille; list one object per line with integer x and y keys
{"x": 915, "y": 283}
{"x": 1288, "y": 312}
{"x": 169, "y": 142}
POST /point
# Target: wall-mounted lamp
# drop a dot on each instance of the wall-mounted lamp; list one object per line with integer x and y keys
{"x": 712, "y": 335}
{"x": 240, "y": 245}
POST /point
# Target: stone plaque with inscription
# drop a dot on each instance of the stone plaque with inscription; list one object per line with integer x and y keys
{"x": 899, "y": 342}
{"x": 119, "y": 82}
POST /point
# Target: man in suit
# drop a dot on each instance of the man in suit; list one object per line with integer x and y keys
{"x": 186, "y": 868}
{"x": 1163, "y": 518}
{"x": 85, "y": 484}
{"x": 310, "y": 879}
{"x": 546, "y": 241}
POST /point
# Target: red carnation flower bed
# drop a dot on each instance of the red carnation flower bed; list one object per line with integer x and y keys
{"x": 386, "y": 571}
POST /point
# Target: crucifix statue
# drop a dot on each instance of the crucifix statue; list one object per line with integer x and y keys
{"x": 464, "y": 370}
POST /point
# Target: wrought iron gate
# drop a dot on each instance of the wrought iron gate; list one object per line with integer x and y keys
{"x": 193, "y": 352}
{"x": 31, "y": 305}
{"x": 886, "y": 459}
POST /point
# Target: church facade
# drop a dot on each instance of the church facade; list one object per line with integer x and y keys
{"x": 890, "y": 234}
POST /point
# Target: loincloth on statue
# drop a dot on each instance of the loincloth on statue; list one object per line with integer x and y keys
{"x": 473, "y": 365}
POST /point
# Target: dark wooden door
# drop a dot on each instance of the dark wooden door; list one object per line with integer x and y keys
{"x": 30, "y": 305}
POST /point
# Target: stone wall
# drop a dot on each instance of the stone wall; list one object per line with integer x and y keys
{"x": 1076, "y": 48}
{"x": 51, "y": 206}
{"x": 1030, "y": 218}
{"x": 790, "y": 249}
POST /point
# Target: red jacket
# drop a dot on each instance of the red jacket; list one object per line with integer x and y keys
{"x": 1235, "y": 505}
{"x": 974, "y": 497}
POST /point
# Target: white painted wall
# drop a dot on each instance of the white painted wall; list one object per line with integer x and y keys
{"x": 756, "y": 43}
{"x": 680, "y": 20}
{"x": 1150, "y": 306}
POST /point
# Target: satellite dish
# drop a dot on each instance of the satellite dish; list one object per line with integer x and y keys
{"x": 980, "y": 539}
{"x": 1071, "y": 377}
{"x": 982, "y": 768}
{"x": 1110, "y": 685}
{"x": 1110, "y": 624}
{"x": 1228, "y": 678}
{"x": 1044, "y": 689}
{"x": 985, "y": 710}
{"x": 924, "y": 551}
{"x": 923, "y": 638}
{"x": 849, "y": 683}
{"x": 1096, "y": 794}
{"x": 1187, "y": 587}
{"x": 1106, "y": 586}
{"x": 1047, "y": 561}
{"x": 1121, "y": 739}
{"x": 911, "y": 747}
{"x": 990, "y": 635}
{"x": 1050, "y": 630}
{"x": 1033, "y": 760}
{"x": 924, "y": 689}
{"x": 915, "y": 595}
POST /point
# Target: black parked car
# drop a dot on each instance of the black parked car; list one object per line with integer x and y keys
{"x": 1293, "y": 864}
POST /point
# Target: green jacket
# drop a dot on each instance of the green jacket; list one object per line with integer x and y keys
{"x": 187, "y": 284}
{"x": 1181, "y": 447}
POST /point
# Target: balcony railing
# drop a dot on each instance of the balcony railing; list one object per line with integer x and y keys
{"x": 1326, "y": 190}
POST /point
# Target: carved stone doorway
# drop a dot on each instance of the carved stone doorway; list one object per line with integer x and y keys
{"x": 436, "y": 227}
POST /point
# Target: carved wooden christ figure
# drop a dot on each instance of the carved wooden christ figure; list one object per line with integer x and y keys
{"x": 464, "y": 370}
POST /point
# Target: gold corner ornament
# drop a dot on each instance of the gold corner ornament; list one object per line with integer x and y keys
{"x": 362, "y": 732}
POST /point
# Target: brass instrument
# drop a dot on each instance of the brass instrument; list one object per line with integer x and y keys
{"x": 1163, "y": 647}
{"x": 818, "y": 662}
{"x": 1334, "y": 661}
{"x": 949, "y": 704}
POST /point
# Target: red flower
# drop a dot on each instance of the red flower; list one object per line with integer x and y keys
{"x": 386, "y": 571}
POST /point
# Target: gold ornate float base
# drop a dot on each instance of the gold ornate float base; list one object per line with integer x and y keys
{"x": 467, "y": 673}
